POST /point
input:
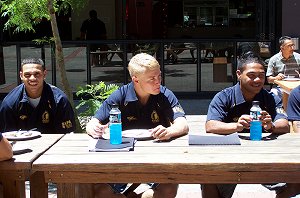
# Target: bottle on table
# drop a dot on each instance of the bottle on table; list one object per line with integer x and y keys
{"x": 115, "y": 125}
{"x": 256, "y": 124}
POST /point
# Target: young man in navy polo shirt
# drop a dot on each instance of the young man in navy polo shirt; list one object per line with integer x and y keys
{"x": 36, "y": 104}
{"x": 229, "y": 110}
{"x": 144, "y": 104}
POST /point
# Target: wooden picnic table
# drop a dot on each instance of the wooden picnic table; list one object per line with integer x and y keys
{"x": 287, "y": 87}
{"x": 14, "y": 172}
{"x": 69, "y": 163}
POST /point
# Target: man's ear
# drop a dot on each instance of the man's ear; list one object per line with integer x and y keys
{"x": 45, "y": 73}
{"x": 135, "y": 79}
{"x": 21, "y": 75}
{"x": 238, "y": 74}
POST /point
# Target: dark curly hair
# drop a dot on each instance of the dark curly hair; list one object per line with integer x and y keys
{"x": 249, "y": 57}
{"x": 33, "y": 61}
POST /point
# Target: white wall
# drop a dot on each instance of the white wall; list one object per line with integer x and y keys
{"x": 106, "y": 13}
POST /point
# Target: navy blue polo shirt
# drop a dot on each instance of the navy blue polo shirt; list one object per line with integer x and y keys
{"x": 161, "y": 109}
{"x": 229, "y": 104}
{"x": 53, "y": 114}
{"x": 293, "y": 107}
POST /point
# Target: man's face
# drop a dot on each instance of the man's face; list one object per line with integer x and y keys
{"x": 252, "y": 79}
{"x": 287, "y": 47}
{"x": 33, "y": 77}
{"x": 149, "y": 82}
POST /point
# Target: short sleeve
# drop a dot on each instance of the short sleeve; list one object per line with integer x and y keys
{"x": 293, "y": 107}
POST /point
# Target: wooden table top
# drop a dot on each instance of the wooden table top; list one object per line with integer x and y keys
{"x": 34, "y": 148}
{"x": 287, "y": 86}
{"x": 272, "y": 160}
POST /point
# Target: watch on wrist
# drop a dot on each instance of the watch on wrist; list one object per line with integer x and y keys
{"x": 272, "y": 127}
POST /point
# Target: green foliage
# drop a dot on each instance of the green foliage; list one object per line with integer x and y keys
{"x": 44, "y": 40}
{"x": 23, "y": 15}
{"x": 92, "y": 97}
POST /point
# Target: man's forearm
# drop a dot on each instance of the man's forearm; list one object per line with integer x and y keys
{"x": 281, "y": 126}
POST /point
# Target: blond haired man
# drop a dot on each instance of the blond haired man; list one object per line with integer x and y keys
{"x": 140, "y": 101}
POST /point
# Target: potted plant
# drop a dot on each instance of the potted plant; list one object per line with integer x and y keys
{"x": 91, "y": 98}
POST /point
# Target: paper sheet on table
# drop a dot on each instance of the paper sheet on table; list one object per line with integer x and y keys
{"x": 103, "y": 145}
{"x": 213, "y": 139}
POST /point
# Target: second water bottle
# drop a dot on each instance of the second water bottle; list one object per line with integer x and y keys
{"x": 115, "y": 125}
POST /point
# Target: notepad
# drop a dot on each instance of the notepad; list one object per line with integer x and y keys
{"x": 213, "y": 139}
{"x": 103, "y": 145}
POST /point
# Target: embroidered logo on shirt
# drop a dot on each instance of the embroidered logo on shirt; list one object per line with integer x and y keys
{"x": 131, "y": 118}
{"x": 45, "y": 117}
{"x": 154, "y": 117}
{"x": 23, "y": 117}
{"x": 67, "y": 124}
{"x": 235, "y": 119}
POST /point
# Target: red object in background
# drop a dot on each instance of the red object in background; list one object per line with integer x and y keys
{"x": 139, "y": 23}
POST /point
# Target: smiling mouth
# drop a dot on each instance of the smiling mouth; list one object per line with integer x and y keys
{"x": 257, "y": 85}
{"x": 32, "y": 84}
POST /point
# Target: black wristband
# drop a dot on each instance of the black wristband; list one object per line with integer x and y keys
{"x": 272, "y": 128}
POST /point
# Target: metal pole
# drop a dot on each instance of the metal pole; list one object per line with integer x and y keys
{"x": 18, "y": 53}
{"x": 53, "y": 64}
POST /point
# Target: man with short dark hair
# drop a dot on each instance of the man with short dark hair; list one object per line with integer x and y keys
{"x": 286, "y": 63}
{"x": 229, "y": 111}
{"x": 36, "y": 104}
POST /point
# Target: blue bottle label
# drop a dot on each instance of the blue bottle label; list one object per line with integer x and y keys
{"x": 115, "y": 130}
{"x": 115, "y": 118}
{"x": 255, "y": 130}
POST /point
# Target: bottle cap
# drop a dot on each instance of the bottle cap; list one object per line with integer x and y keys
{"x": 114, "y": 106}
{"x": 255, "y": 102}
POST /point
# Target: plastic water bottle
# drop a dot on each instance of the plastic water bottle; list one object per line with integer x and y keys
{"x": 115, "y": 125}
{"x": 255, "y": 125}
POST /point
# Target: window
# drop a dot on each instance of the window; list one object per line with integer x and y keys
{"x": 205, "y": 13}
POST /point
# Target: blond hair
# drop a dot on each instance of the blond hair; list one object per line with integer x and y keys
{"x": 142, "y": 62}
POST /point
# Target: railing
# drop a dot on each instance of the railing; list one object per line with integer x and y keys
{"x": 183, "y": 53}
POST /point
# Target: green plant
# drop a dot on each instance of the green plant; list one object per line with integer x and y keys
{"x": 92, "y": 96}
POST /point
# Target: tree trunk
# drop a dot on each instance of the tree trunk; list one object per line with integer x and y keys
{"x": 60, "y": 61}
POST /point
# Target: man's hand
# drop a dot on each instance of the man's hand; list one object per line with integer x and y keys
{"x": 95, "y": 129}
{"x": 280, "y": 76}
{"x": 266, "y": 120}
{"x": 161, "y": 133}
{"x": 243, "y": 122}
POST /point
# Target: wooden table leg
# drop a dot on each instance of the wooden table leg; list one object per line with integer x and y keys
{"x": 66, "y": 190}
{"x": 38, "y": 186}
{"x": 285, "y": 98}
{"x": 13, "y": 184}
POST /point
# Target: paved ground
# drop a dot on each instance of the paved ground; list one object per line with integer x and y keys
{"x": 193, "y": 191}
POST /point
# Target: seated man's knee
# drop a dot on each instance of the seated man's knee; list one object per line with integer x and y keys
{"x": 288, "y": 191}
{"x": 104, "y": 190}
{"x": 166, "y": 190}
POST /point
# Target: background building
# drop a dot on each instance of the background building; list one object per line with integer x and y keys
{"x": 196, "y": 41}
